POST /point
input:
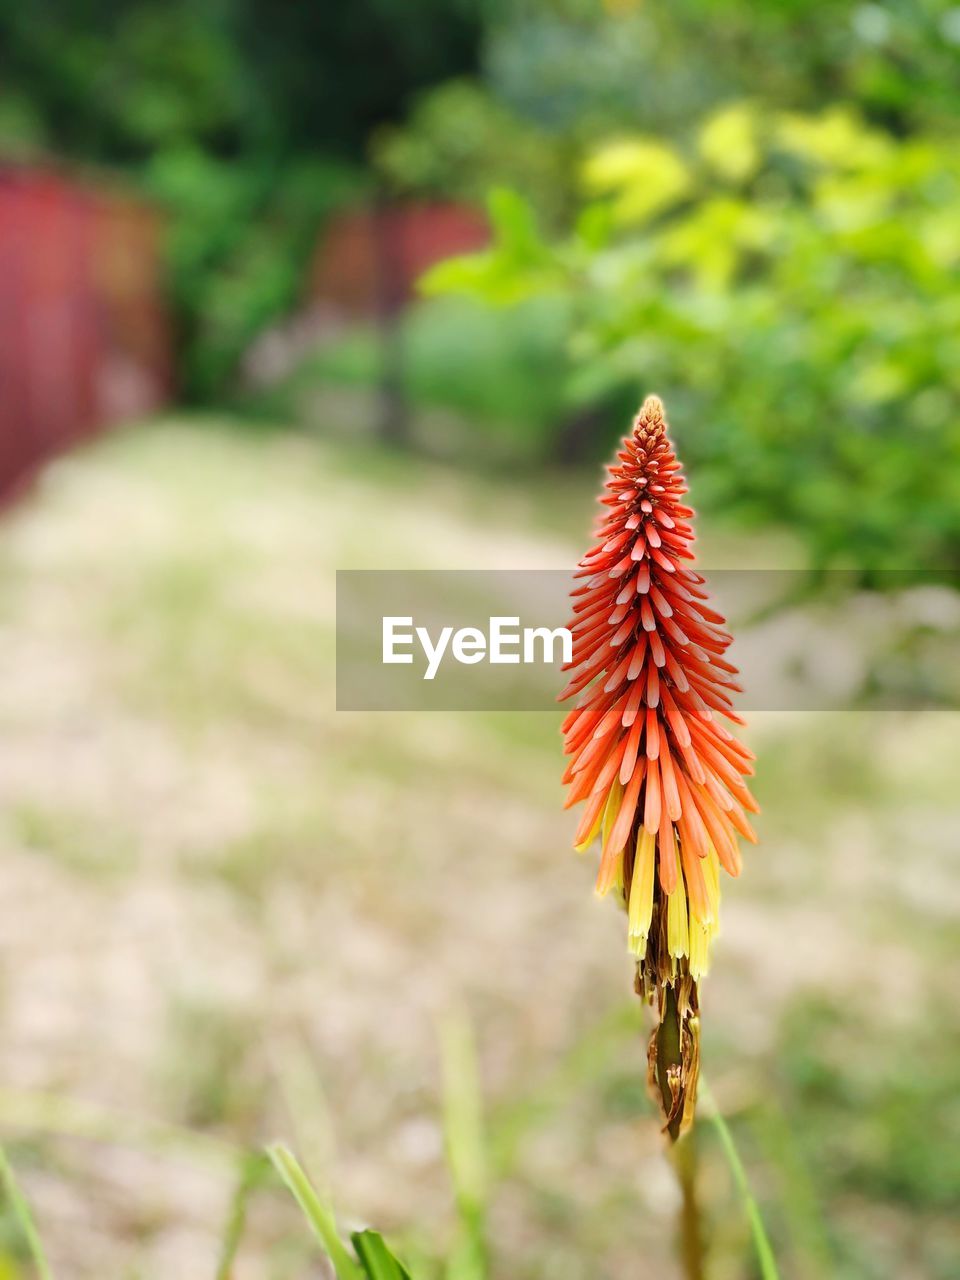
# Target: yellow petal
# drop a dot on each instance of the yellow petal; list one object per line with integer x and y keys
{"x": 641, "y": 887}
{"x": 699, "y": 960}
{"x": 678, "y": 932}
{"x": 611, "y": 809}
{"x": 711, "y": 874}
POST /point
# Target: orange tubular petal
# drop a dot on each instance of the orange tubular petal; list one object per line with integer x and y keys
{"x": 675, "y": 719}
{"x": 630, "y": 751}
{"x": 653, "y": 686}
{"x": 638, "y": 654}
{"x": 609, "y": 722}
{"x": 610, "y": 870}
{"x": 620, "y": 831}
{"x": 633, "y": 704}
{"x": 696, "y": 884}
{"x": 743, "y": 794}
{"x": 692, "y": 762}
{"x": 591, "y": 813}
{"x": 719, "y": 831}
{"x": 608, "y": 772}
{"x": 595, "y": 749}
{"x": 692, "y": 831}
{"x": 653, "y": 799}
{"x": 741, "y": 823}
{"x": 598, "y": 777}
{"x": 671, "y": 795}
{"x": 667, "y": 859}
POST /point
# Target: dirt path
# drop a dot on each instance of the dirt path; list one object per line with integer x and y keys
{"x": 230, "y": 911}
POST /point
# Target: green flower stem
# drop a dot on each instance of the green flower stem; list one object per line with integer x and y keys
{"x": 761, "y": 1241}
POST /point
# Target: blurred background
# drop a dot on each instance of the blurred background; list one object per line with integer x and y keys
{"x": 287, "y": 288}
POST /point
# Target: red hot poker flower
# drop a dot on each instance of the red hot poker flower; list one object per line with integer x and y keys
{"x": 661, "y": 777}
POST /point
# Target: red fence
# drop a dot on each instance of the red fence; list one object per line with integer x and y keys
{"x": 84, "y": 337}
{"x": 368, "y": 261}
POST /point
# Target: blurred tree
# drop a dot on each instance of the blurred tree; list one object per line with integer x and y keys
{"x": 614, "y": 62}
{"x": 788, "y": 281}
{"x": 113, "y": 80}
{"x": 557, "y": 75}
{"x": 460, "y": 139}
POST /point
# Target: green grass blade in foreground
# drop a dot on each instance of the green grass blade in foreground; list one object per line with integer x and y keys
{"x": 761, "y": 1241}
{"x": 24, "y": 1217}
{"x": 254, "y": 1168}
{"x": 378, "y": 1262}
{"x": 318, "y": 1215}
{"x": 466, "y": 1148}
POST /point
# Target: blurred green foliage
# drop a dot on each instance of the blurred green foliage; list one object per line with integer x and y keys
{"x": 461, "y": 138}
{"x": 787, "y": 281}
{"x": 238, "y": 239}
{"x": 751, "y": 208}
{"x": 881, "y": 1125}
{"x": 557, "y": 75}
{"x": 506, "y": 374}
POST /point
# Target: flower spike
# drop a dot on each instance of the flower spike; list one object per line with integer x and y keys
{"x": 661, "y": 778}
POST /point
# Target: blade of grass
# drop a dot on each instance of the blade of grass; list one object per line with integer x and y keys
{"x": 307, "y": 1108}
{"x": 761, "y": 1241}
{"x": 378, "y": 1262}
{"x": 466, "y": 1150}
{"x": 24, "y": 1217}
{"x": 253, "y": 1170}
{"x": 318, "y": 1215}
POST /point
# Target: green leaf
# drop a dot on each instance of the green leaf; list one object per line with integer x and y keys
{"x": 466, "y": 1146}
{"x": 836, "y": 139}
{"x": 378, "y": 1262}
{"x": 463, "y": 1111}
{"x": 593, "y": 227}
{"x": 644, "y": 175}
{"x": 21, "y": 1211}
{"x": 318, "y": 1215}
{"x": 514, "y": 224}
{"x": 474, "y": 274}
{"x": 253, "y": 1169}
{"x": 728, "y": 142}
{"x": 519, "y": 265}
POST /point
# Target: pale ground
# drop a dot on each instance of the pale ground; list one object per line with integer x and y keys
{"x": 231, "y": 913}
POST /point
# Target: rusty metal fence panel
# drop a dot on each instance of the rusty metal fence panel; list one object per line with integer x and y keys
{"x": 368, "y": 261}
{"x": 84, "y": 335}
